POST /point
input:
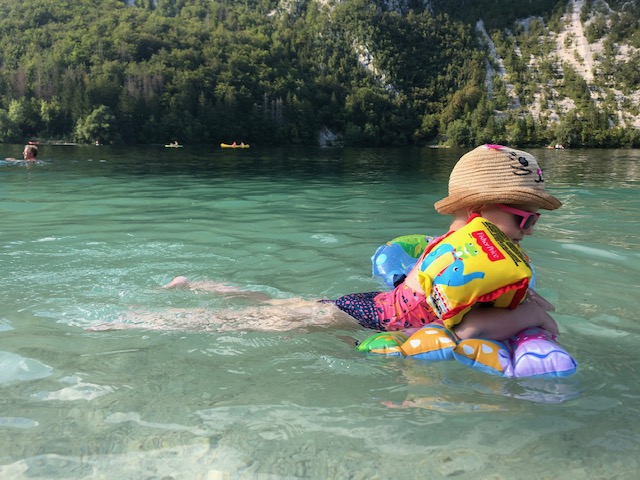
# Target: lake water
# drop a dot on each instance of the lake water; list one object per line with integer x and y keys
{"x": 90, "y": 234}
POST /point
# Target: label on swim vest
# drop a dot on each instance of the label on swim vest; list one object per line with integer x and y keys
{"x": 477, "y": 263}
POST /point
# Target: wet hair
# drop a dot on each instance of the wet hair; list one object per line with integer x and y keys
{"x": 32, "y": 149}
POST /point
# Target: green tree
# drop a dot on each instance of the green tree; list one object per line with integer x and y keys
{"x": 375, "y": 72}
{"x": 459, "y": 134}
{"x": 24, "y": 115}
{"x": 99, "y": 125}
{"x": 9, "y": 131}
{"x": 54, "y": 121}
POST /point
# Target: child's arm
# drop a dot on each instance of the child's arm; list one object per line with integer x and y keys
{"x": 501, "y": 323}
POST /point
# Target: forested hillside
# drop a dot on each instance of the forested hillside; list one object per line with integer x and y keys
{"x": 355, "y": 72}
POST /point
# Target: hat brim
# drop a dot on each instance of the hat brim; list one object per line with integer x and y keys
{"x": 452, "y": 203}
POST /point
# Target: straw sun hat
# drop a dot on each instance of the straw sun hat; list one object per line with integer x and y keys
{"x": 496, "y": 174}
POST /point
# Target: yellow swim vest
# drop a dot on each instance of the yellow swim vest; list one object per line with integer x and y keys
{"x": 477, "y": 263}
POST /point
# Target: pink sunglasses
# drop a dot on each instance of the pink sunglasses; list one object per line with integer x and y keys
{"x": 528, "y": 219}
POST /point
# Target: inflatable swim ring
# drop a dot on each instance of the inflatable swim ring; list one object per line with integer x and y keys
{"x": 532, "y": 352}
{"x": 395, "y": 259}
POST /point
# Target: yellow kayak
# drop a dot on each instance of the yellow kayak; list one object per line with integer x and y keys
{"x": 234, "y": 145}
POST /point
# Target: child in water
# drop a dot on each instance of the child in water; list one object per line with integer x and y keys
{"x": 503, "y": 185}
{"x": 453, "y": 301}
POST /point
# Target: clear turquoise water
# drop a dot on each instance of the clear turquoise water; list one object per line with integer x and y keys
{"x": 89, "y": 234}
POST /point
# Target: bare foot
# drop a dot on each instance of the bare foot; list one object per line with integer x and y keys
{"x": 178, "y": 282}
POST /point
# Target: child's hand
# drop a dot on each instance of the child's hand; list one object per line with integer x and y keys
{"x": 537, "y": 302}
{"x": 535, "y": 309}
{"x": 549, "y": 324}
{"x": 536, "y": 298}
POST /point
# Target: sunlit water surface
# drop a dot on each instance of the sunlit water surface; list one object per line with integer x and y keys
{"x": 89, "y": 235}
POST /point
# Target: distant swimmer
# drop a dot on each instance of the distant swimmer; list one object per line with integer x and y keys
{"x": 29, "y": 154}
